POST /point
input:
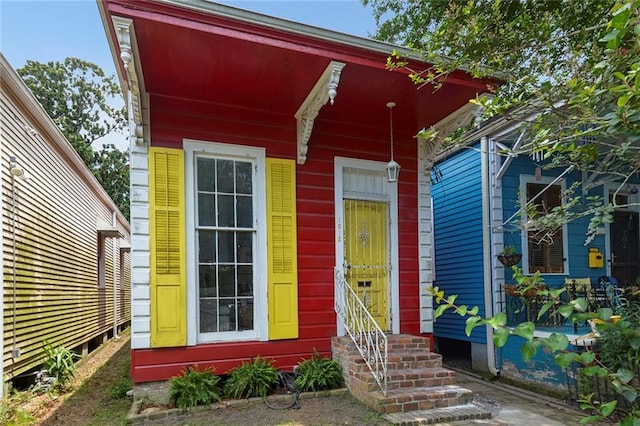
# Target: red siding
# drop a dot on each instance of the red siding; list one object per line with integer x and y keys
{"x": 175, "y": 119}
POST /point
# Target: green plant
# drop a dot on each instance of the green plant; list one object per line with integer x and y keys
{"x": 60, "y": 364}
{"x": 11, "y": 410}
{"x": 256, "y": 378}
{"x": 318, "y": 373}
{"x": 527, "y": 285}
{"x": 123, "y": 385}
{"x": 508, "y": 251}
{"x": 622, "y": 375}
{"x": 194, "y": 387}
{"x": 120, "y": 388}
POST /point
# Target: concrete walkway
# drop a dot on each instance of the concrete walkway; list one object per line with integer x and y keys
{"x": 508, "y": 404}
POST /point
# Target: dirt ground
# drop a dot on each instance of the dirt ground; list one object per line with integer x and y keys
{"x": 323, "y": 410}
{"x": 91, "y": 402}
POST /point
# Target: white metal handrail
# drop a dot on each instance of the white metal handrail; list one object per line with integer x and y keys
{"x": 363, "y": 329}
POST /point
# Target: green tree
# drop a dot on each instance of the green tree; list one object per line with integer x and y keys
{"x": 111, "y": 167}
{"x": 79, "y": 97}
{"x": 578, "y": 59}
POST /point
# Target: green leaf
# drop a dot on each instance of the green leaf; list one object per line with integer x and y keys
{"x": 498, "y": 320}
{"x": 623, "y": 100}
{"x": 565, "y": 310}
{"x": 607, "y": 409}
{"x": 500, "y": 337}
{"x": 525, "y": 330}
{"x": 545, "y": 308}
{"x": 461, "y": 310}
{"x": 472, "y": 322}
{"x": 529, "y": 349}
{"x": 580, "y": 304}
{"x": 556, "y": 342}
{"x": 564, "y": 359}
{"x": 587, "y": 357}
{"x": 439, "y": 311}
{"x": 625, "y": 375}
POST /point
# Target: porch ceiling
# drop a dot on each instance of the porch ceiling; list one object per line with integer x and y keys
{"x": 200, "y": 55}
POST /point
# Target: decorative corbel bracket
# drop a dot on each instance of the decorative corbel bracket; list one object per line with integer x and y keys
{"x": 124, "y": 31}
{"x": 324, "y": 90}
{"x": 443, "y": 128}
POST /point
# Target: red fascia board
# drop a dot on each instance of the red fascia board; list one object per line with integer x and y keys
{"x": 254, "y": 33}
{"x": 261, "y": 35}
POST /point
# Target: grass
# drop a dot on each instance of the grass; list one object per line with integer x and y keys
{"x": 101, "y": 398}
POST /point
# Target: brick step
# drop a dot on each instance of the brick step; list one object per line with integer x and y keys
{"x": 408, "y": 378}
{"x": 395, "y": 342}
{"x": 421, "y": 398}
{"x": 419, "y": 378}
{"x": 446, "y": 415}
{"x": 403, "y": 342}
{"x": 400, "y": 360}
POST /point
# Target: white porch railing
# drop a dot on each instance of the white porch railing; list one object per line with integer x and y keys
{"x": 363, "y": 329}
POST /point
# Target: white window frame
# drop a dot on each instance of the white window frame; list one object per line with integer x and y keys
{"x": 524, "y": 180}
{"x": 260, "y": 320}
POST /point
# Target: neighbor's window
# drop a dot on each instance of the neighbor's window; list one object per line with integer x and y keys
{"x": 545, "y": 250}
{"x": 226, "y": 242}
{"x": 101, "y": 262}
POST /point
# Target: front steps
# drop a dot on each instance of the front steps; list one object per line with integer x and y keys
{"x": 416, "y": 382}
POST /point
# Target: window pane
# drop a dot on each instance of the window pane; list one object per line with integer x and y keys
{"x": 226, "y": 247}
{"x": 208, "y": 315}
{"x": 244, "y": 182}
{"x": 245, "y": 211}
{"x": 245, "y": 314}
{"x": 207, "y": 281}
{"x": 206, "y": 209}
{"x": 225, "y": 176}
{"x": 245, "y": 280}
{"x": 206, "y": 174}
{"x": 206, "y": 247}
{"x": 245, "y": 247}
{"x": 227, "y": 315}
{"x": 225, "y": 253}
{"x": 546, "y": 248}
{"x": 226, "y": 211}
{"x": 227, "y": 280}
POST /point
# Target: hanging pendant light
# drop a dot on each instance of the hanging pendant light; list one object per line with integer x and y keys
{"x": 393, "y": 168}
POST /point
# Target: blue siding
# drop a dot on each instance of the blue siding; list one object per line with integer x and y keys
{"x": 541, "y": 369}
{"x": 577, "y": 253}
{"x": 457, "y": 212}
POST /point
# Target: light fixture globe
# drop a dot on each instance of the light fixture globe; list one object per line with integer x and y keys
{"x": 393, "y": 170}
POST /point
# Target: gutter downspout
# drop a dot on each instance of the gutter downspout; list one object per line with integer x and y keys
{"x": 486, "y": 249}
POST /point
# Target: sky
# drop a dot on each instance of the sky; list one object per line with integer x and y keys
{"x": 52, "y": 30}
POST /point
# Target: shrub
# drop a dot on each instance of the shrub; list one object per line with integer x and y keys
{"x": 194, "y": 387}
{"x": 256, "y": 378}
{"x": 318, "y": 373}
{"x": 59, "y": 363}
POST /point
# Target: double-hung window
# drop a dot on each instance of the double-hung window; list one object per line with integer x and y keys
{"x": 226, "y": 243}
{"x": 545, "y": 252}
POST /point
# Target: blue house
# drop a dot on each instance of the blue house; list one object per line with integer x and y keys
{"x": 478, "y": 191}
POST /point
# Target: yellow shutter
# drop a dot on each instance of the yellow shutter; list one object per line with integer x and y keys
{"x": 282, "y": 249}
{"x": 167, "y": 244}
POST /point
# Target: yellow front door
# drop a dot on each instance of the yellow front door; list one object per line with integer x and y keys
{"x": 366, "y": 253}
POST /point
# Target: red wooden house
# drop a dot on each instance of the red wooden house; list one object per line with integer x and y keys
{"x": 258, "y": 175}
